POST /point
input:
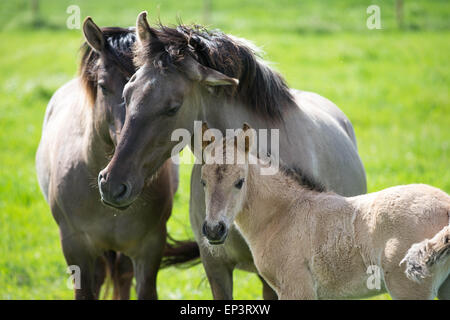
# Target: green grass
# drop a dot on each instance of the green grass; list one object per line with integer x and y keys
{"x": 392, "y": 83}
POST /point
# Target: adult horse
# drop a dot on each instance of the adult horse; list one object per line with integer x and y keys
{"x": 189, "y": 74}
{"x": 80, "y": 131}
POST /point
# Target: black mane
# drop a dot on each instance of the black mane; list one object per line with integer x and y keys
{"x": 302, "y": 178}
{"x": 119, "y": 44}
{"x": 261, "y": 88}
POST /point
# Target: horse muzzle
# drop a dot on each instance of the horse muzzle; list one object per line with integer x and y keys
{"x": 216, "y": 233}
{"x": 114, "y": 194}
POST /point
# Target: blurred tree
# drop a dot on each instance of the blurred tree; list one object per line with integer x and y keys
{"x": 207, "y": 11}
{"x": 36, "y": 19}
{"x": 399, "y": 12}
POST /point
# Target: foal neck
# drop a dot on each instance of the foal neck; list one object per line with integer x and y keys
{"x": 269, "y": 200}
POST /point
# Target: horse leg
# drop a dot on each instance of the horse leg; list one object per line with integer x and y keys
{"x": 123, "y": 277}
{"x": 146, "y": 265}
{"x": 100, "y": 274}
{"x": 268, "y": 292}
{"x": 77, "y": 252}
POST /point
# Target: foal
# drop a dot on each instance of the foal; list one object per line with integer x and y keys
{"x": 311, "y": 244}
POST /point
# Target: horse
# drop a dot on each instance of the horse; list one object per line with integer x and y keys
{"x": 81, "y": 128}
{"x": 311, "y": 244}
{"x": 189, "y": 73}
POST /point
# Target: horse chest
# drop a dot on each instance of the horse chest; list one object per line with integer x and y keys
{"x": 112, "y": 230}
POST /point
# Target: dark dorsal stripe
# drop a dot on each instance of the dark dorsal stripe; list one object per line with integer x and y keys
{"x": 302, "y": 178}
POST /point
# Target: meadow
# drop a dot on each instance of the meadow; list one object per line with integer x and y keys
{"x": 392, "y": 83}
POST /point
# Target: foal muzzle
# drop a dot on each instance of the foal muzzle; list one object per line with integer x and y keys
{"x": 216, "y": 233}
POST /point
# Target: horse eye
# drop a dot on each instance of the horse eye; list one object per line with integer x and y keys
{"x": 240, "y": 183}
{"x": 103, "y": 87}
{"x": 173, "y": 110}
{"x": 203, "y": 183}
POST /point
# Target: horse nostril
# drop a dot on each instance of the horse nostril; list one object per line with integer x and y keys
{"x": 121, "y": 191}
{"x": 205, "y": 233}
{"x": 102, "y": 177}
{"x": 221, "y": 228}
{"x": 215, "y": 233}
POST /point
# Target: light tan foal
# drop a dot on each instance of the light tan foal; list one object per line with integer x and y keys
{"x": 311, "y": 244}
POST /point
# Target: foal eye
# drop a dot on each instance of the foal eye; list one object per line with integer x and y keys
{"x": 240, "y": 183}
{"x": 203, "y": 183}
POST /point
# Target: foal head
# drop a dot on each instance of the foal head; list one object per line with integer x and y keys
{"x": 225, "y": 183}
{"x": 106, "y": 65}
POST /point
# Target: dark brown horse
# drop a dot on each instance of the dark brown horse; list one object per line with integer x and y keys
{"x": 81, "y": 128}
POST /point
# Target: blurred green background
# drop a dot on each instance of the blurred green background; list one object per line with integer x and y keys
{"x": 392, "y": 83}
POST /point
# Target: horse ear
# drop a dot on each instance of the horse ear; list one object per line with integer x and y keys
{"x": 143, "y": 30}
{"x": 204, "y": 129}
{"x": 195, "y": 71}
{"x": 94, "y": 36}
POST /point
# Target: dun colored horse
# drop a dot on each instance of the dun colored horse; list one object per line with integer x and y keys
{"x": 312, "y": 244}
{"x": 190, "y": 73}
{"x": 81, "y": 128}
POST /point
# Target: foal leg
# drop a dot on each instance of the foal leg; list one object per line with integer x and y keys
{"x": 77, "y": 252}
{"x": 146, "y": 265}
{"x": 402, "y": 288}
{"x": 220, "y": 276}
{"x": 297, "y": 285}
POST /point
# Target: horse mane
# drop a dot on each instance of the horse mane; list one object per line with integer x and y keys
{"x": 297, "y": 174}
{"x": 302, "y": 178}
{"x": 261, "y": 88}
{"x": 119, "y": 43}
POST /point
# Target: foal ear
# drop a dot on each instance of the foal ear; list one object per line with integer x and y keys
{"x": 249, "y": 135}
{"x": 195, "y": 71}
{"x": 94, "y": 36}
{"x": 143, "y": 30}
{"x": 204, "y": 129}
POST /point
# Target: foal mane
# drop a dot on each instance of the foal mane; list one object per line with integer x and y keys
{"x": 261, "y": 88}
{"x": 302, "y": 178}
{"x": 119, "y": 44}
{"x": 294, "y": 173}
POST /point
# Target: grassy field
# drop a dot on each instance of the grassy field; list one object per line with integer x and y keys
{"x": 392, "y": 83}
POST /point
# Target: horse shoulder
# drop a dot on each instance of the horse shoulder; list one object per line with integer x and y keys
{"x": 62, "y": 131}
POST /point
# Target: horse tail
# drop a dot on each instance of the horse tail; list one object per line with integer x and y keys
{"x": 180, "y": 253}
{"x": 422, "y": 256}
{"x": 175, "y": 177}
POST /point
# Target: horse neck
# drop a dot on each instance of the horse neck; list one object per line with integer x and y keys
{"x": 98, "y": 140}
{"x": 294, "y": 128}
{"x": 269, "y": 199}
